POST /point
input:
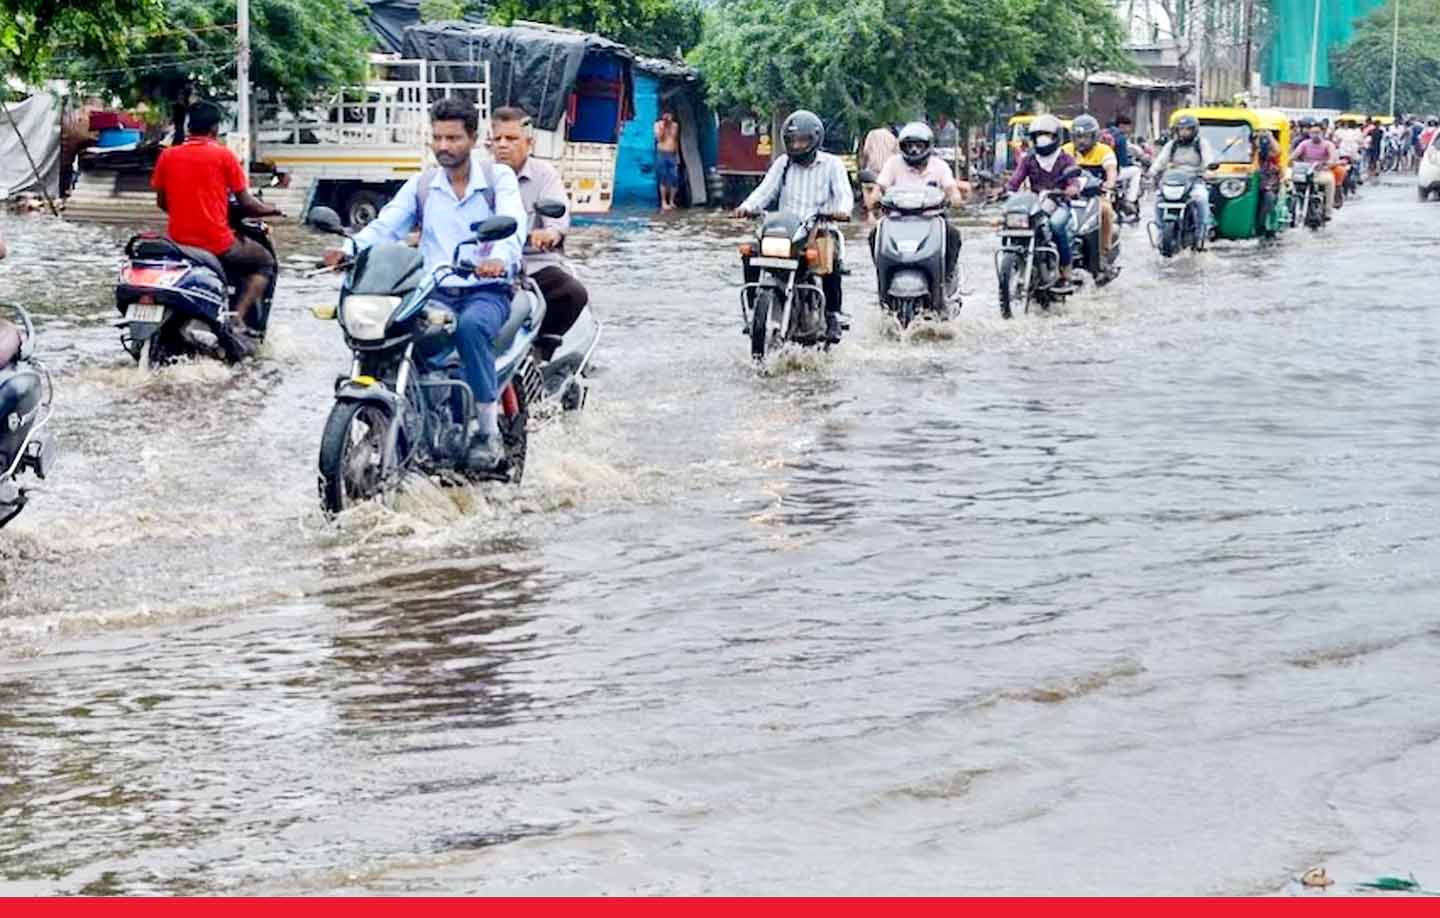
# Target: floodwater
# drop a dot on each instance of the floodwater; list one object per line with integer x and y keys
{"x": 1141, "y": 597}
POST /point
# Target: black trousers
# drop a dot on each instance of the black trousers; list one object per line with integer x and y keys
{"x": 565, "y": 299}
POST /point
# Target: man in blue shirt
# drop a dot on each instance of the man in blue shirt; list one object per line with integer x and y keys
{"x": 1129, "y": 170}
{"x": 444, "y": 203}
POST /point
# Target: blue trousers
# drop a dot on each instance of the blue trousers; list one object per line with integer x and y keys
{"x": 1060, "y": 226}
{"x": 481, "y": 311}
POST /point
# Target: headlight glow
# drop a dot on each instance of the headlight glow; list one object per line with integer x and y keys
{"x": 775, "y": 247}
{"x": 1017, "y": 220}
{"x": 365, "y": 317}
{"x": 1232, "y": 187}
{"x": 1173, "y": 192}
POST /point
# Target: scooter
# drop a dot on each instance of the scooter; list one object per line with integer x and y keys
{"x": 910, "y": 252}
{"x": 404, "y": 407}
{"x": 175, "y": 300}
{"x": 26, "y": 393}
{"x": 1087, "y": 226}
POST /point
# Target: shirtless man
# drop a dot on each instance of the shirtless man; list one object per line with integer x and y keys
{"x": 667, "y": 158}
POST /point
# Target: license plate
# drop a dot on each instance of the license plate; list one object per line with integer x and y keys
{"x": 788, "y": 264}
{"x": 140, "y": 312}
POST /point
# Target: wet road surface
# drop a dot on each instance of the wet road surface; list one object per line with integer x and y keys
{"x": 1141, "y": 597}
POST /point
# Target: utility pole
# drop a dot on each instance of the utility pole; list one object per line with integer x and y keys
{"x": 1394, "y": 57}
{"x": 1197, "y": 23}
{"x": 1314, "y": 51}
{"x": 1249, "y": 43}
{"x": 242, "y": 80}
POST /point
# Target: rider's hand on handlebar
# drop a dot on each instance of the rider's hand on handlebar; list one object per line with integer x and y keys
{"x": 544, "y": 239}
{"x": 333, "y": 257}
{"x": 490, "y": 267}
{"x": 742, "y": 214}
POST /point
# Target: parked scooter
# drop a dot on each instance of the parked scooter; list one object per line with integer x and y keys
{"x": 26, "y": 393}
{"x": 910, "y": 252}
{"x": 403, "y": 407}
{"x": 175, "y": 300}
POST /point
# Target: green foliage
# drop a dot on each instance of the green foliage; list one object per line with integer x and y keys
{"x": 32, "y": 31}
{"x": 299, "y": 48}
{"x": 1363, "y": 65}
{"x": 870, "y": 61}
{"x": 441, "y": 10}
{"x": 656, "y": 27}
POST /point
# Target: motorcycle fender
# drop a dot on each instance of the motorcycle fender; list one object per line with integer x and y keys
{"x": 774, "y": 280}
{"x": 366, "y": 390}
{"x": 140, "y": 332}
{"x": 907, "y": 283}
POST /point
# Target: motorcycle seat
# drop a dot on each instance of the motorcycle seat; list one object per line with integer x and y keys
{"x": 522, "y": 306}
{"x": 11, "y": 341}
{"x": 160, "y": 249}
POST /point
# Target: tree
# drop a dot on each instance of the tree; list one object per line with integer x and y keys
{"x": 1363, "y": 65}
{"x": 873, "y": 61}
{"x": 31, "y": 31}
{"x": 441, "y": 10}
{"x": 299, "y": 48}
{"x": 656, "y": 27}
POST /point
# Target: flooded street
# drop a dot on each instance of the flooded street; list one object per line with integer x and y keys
{"x": 1139, "y": 598}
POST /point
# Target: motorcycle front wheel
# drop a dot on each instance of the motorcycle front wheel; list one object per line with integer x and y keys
{"x": 352, "y": 455}
{"x": 1169, "y": 238}
{"x": 760, "y": 323}
{"x": 1012, "y": 278}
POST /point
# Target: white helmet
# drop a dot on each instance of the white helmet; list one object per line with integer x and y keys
{"x": 917, "y": 142}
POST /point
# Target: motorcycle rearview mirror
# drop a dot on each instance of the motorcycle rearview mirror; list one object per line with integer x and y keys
{"x": 325, "y": 220}
{"x": 550, "y": 209}
{"x": 493, "y": 229}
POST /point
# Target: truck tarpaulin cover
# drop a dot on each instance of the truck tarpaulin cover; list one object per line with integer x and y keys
{"x": 530, "y": 67}
{"x": 38, "y": 121}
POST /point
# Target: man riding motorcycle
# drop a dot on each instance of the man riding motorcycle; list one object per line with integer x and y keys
{"x": 1321, "y": 153}
{"x": 916, "y": 166}
{"x": 807, "y": 182}
{"x": 193, "y": 183}
{"x": 444, "y": 203}
{"x": 511, "y": 140}
{"x": 1187, "y": 152}
{"x": 1099, "y": 160}
{"x": 1130, "y": 173}
{"x": 1048, "y": 168}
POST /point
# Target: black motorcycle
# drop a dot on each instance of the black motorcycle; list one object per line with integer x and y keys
{"x": 1309, "y": 200}
{"x": 1182, "y": 223}
{"x": 910, "y": 253}
{"x": 1028, "y": 261}
{"x": 26, "y": 392}
{"x": 782, "y": 298}
{"x": 175, "y": 300}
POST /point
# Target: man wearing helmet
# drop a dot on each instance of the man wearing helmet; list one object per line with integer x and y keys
{"x": 1099, "y": 160}
{"x": 917, "y": 166}
{"x": 807, "y": 182}
{"x": 1048, "y": 168}
{"x": 1187, "y": 152}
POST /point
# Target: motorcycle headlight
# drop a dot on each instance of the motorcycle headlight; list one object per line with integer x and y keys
{"x": 1017, "y": 220}
{"x": 365, "y": 317}
{"x": 1232, "y": 187}
{"x": 775, "y": 247}
{"x": 1172, "y": 192}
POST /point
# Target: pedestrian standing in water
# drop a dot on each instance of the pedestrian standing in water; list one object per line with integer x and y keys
{"x": 667, "y": 158}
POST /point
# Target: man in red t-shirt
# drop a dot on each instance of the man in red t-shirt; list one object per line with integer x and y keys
{"x": 193, "y": 183}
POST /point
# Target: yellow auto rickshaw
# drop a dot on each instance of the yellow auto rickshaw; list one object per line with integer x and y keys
{"x": 1235, "y": 185}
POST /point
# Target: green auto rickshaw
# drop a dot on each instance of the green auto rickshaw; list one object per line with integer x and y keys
{"x": 1235, "y": 186}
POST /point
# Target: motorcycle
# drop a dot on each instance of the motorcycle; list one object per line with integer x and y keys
{"x": 781, "y": 299}
{"x": 1182, "y": 225}
{"x": 1086, "y": 226}
{"x": 26, "y": 393}
{"x": 403, "y": 407}
{"x": 910, "y": 257}
{"x": 175, "y": 301}
{"x": 1028, "y": 261}
{"x": 1352, "y": 179}
{"x": 1309, "y": 196}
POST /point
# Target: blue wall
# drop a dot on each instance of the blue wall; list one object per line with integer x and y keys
{"x": 635, "y": 159}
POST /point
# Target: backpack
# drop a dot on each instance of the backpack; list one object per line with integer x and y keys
{"x": 427, "y": 176}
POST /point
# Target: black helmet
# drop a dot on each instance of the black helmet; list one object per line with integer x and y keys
{"x": 917, "y": 142}
{"x": 1047, "y": 126}
{"x": 1183, "y": 123}
{"x": 1432, "y": 121}
{"x": 802, "y": 135}
{"x": 1086, "y": 132}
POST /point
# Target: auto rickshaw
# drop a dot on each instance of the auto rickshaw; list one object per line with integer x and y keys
{"x": 1020, "y": 133}
{"x": 1235, "y": 185}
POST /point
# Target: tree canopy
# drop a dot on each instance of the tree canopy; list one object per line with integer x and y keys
{"x": 33, "y": 33}
{"x": 1363, "y": 65}
{"x": 656, "y": 27}
{"x": 872, "y": 61}
{"x": 298, "y": 49}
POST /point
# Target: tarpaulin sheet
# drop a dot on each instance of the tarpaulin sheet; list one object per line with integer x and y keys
{"x": 388, "y": 20}
{"x": 531, "y": 67}
{"x": 1287, "y": 57}
{"x": 38, "y": 121}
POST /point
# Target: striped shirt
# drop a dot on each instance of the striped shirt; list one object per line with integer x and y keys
{"x": 823, "y": 187}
